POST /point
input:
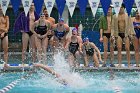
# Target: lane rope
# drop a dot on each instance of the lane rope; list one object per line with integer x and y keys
{"x": 13, "y": 84}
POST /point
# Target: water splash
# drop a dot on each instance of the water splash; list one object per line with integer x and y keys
{"x": 62, "y": 67}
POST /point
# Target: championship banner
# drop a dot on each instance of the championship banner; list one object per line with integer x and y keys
{"x": 128, "y": 5}
{"x": 4, "y": 5}
{"x": 82, "y": 5}
{"x": 138, "y": 5}
{"x": 49, "y": 5}
{"x": 105, "y": 5}
{"x": 38, "y": 5}
{"x": 26, "y": 5}
{"x": 60, "y": 6}
{"x": 15, "y": 5}
{"x": 71, "y": 6}
{"x": 94, "y": 6}
{"x": 117, "y": 5}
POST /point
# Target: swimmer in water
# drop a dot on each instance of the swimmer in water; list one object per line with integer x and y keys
{"x": 45, "y": 67}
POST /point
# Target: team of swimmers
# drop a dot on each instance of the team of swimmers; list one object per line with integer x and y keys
{"x": 40, "y": 33}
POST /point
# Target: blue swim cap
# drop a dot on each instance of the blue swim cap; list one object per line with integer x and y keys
{"x": 61, "y": 19}
{"x": 85, "y": 39}
{"x": 74, "y": 29}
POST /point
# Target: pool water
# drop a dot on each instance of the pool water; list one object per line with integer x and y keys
{"x": 80, "y": 82}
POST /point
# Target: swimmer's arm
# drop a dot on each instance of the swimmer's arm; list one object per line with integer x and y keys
{"x": 7, "y": 24}
{"x": 53, "y": 20}
{"x": 96, "y": 49}
{"x": 112, "y": 27}
{"x": 80, "y": 43}
{"x": 45, "y": 67}
{"x": 114, "y": 32}
{"x": 132, "y": 31}
{"x": 33, "y": 27}
{"x": 67, "y": 30}
{"x": 101, "y": 33}
{"x": 54, "y": 28}
{"x": 101, "y": 26}
{"x": 49, "y": 24}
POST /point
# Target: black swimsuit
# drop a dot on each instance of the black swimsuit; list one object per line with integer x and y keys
{"x": 89, "y": 51}
{"x": 42, "y": 30}
{"x": 122, "y": 35}
{"x": 29, "y": 33}
{"x": 73, "y": 47}
{"x": 107, "y": 35}
{"x": 4, "y": 36}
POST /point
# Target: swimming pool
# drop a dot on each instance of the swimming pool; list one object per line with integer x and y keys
{"x": 81, "y": 82}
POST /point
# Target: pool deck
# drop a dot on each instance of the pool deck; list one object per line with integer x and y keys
{"x": 30, "y": 67}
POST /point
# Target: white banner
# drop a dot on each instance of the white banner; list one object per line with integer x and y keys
{"x": 94, "y": 6}
{"x": 71, "y": 5}
{"x": 4, "y": 5}
{"x": 117, "y": 5}
{"x": 26, "y": 5}
{"x": 138, "y": 5}
{"x": 49, "y": 5}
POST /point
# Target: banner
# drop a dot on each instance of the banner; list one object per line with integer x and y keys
{"x": 138, "y": 5}
{"x": 15, "y": 5}
{"x": 26, "y": 5}
{"x": 82, "y": 5}
{"x": 49, "y": 5}
{"x": 71, "y": 6}
{"x": 4, "y": 5}
{"x": 60, "y": 6}
{"x": 105, "y": 5}
{"x": 94, "y": 6}
{"x": 128, "y": 5}
{"x": 38, "y": 5}
{"x": 117, "y": 5}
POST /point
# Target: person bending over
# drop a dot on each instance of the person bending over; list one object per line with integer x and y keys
{"x": 73, "y": 44}
{"x": 89, "y": 50}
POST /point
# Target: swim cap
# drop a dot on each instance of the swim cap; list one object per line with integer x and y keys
{"x": 61, "y": 19}
{"x": 74, "y": 29}
{"x": 85, "y": 39}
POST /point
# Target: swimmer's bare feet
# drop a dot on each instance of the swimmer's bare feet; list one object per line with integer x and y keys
{"x": 101, "y": 61}
{"x": 137, "y": 65}
{"x": 119, "y": 66}
{"x": 129, "y": 66}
